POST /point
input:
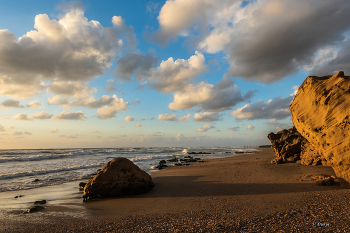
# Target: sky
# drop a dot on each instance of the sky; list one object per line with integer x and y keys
{"x": 139, "y": 73}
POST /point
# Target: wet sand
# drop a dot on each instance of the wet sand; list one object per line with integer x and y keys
{"x": 244, "y": 193}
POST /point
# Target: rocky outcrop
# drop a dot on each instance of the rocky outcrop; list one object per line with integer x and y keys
{"x": 320, "y": 113}
{"x": 290, "y": 145}
{"x": 287, "y": 144}
{"x": 118, "y": 177}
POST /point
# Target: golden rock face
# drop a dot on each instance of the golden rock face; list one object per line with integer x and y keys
{"x": 321, "y": 113}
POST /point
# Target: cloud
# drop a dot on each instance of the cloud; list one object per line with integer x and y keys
{"x": 259, "y": 37}
{"x": 178, "y": 16}
{"x": 128, "y": 119}
{"x": 71, "y": 49}
{"x": 206, "y": 117}
{"x": 138, "y": 125}
{"x": 254, "y": 37}
{"x": 71, "y": 136}
{"x": 55, "y": 130}
{"x": 95, "y": 131}
{"x": 152, "y": 7}
{"x": 173, "y": 75}
{"x": 91, "y": 102}
{"x": 58, "y": 100}
{"x": 233, "y": 128}
{"x": 2, "y": 128}
{"x": 336, "y": 62}
{"x": 34, "y": 104}
{"x": 135, "y": 102}
{"x": 71, "y": 116}
{"x": 279, "y": 126}
{"x": 250, "y": 127}
{"x": 135, "y": 64}
{"x": 10, "y": 127}
{"x": 110, "y": 86}
{"x": 167, "y": 117}
{"x": 222, "y": 96}
{"x": 70, "y": 89}
{"x": 277, "y": 107}
{"x": 185, "y": 118}
{"x": 21, "y": 117}
{"x": 157, "y": 133}
{"x": 110, "y": 110}
{"x": 179, "y": 136}
{"x": 205, "y": 128}
{"x": 18, "y": 133}
{"x": 41, "y": 115}
{"x": 11, "y": 103}
{"x": 27, "y": 133}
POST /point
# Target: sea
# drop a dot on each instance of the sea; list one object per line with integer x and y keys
{"x": 29, "y": 169}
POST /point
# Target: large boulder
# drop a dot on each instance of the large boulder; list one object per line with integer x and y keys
{"x": 287, "y": 144}
{"x": 290, "y": 145}
{"x": 118, "y": 177}
{"x": 320, "y": 112}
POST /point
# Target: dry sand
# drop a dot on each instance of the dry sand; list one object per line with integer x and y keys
{"x": 239, "y": 194}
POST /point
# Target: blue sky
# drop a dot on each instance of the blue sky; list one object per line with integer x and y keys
{"x": 160, "y": 73}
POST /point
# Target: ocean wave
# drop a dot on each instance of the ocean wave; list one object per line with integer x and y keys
{"x": 43, "y": 171}
{"x": 150, "y": 157}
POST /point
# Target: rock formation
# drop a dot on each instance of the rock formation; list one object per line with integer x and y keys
{"x": 320, "y": 113}
{"x": 290, "y": 145}
{"x": 287, "y": 144}
{"x": 118, "y": 177}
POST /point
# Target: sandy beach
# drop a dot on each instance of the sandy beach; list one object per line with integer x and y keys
{"x": 244, "y": 193}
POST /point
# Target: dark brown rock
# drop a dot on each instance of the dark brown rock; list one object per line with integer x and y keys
{"x": 290, "y": 145}
{"x": 287, "y": 144}
{"x": 326, "y": 182}
{"x": 118, "y": 177}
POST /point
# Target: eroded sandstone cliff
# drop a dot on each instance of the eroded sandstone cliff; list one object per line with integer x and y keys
{"x": 321, "y": 114}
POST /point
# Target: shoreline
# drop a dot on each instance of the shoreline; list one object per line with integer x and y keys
{"x": 225, "y": 193}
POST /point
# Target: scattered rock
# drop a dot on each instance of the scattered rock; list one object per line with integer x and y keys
{"x": 277, "y": 160}
{"x": 82, "y": 185}
{"x": 198, "y": 153}
{"x": 34, "y": 209}
{"x": 36, "y": 180}
{"x": 324, "y": 121}
{"x": 162, "y": 161}
{"x": 161, "y": 166}
{"x": 326, "y": 182}
{"x": 173, "y": 160}
{"x": 40, "y": 202}
{"x": 118, "y": 177}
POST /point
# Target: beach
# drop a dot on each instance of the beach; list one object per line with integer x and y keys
{"x": 244, "y": 193}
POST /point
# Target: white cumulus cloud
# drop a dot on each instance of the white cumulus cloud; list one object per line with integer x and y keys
{"x": 71, "y": 116}
{"x": 205, "y": 128}
{"x": 110, "y": 110}
{"x": 41, "y": 115}
{"x": 128, "y": 119}
{"x": 206, "y": 117}
{"x": 167, "y": 117}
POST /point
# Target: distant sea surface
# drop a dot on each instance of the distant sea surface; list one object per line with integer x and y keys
{"x": 27, "y": 169}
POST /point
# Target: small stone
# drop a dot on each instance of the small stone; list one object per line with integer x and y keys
{"x": 35, "y": 209}
{"x": 82, "y": 185}
{"x": 40, "y": 202}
